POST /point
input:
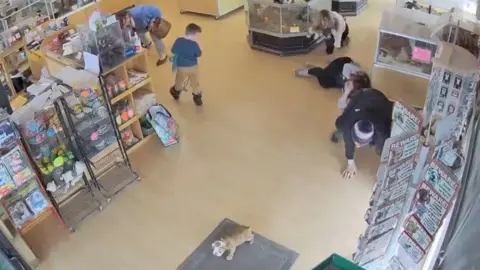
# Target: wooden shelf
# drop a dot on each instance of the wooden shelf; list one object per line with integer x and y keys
{"x": 130, "y": 90}
{"x": 128, "y": 123}
{"x": 141, "y": 142}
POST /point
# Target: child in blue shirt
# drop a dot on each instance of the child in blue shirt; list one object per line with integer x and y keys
{"x": 185, "y": 62}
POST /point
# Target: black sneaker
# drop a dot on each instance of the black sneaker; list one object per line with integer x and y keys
{"x": 336, "y": 136}
{"x": 162, "y": 61}
{"x": 175, "y": 94}
{"x": 197, "y": 98}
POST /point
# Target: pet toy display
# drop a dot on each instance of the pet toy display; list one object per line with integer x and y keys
{"x": 46, "y": 140}
{"x": 123, "y": 112}
{"x": 115, "y": 85}
{"x": 91, "y": 120}
{"x": 128, "y": 138}
{"x": 231, "y": 240}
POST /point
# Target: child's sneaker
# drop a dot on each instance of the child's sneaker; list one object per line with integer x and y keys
{"x": 175, "y": 94}
{"x": 197, "y": 98}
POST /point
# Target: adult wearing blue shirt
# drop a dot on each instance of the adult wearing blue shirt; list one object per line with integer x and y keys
{"x": 144, "y": 17}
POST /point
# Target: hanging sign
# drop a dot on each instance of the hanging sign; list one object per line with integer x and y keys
{"x": 416, "y": 231}
{"x": 441, "y": 179}
{"x": 429, "y": 207}
{"x": 393, "y": 193}
{"x": 400, "y": 148}
{"x": 412, "y": 248}
{"x": 400, "y": 173}
{"x": 405, "y": 119}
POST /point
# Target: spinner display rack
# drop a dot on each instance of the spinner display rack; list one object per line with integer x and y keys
{"x": 99, "y": 140}
{"x": 57, "y": 159}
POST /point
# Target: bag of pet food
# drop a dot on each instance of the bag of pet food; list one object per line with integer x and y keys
{"x": 164, "y": 124}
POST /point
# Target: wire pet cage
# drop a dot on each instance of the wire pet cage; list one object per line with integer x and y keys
{"x": 98, "y": 139}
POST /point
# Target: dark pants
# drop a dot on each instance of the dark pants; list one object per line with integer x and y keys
{"x": 330, "y": 42}
{"x": 325, "y": 79}
{"x": 331, "y": 76}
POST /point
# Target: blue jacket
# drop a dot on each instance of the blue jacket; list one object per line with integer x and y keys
{"x": 143, "y": 15}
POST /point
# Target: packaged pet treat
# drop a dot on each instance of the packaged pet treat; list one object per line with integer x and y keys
{"x": 18, "y": 166}
{"x": 19, "y": 213}
{"x": 6, "y": 182}
{"x": 36, "y": 201}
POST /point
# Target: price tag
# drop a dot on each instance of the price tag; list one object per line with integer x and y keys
{"x": 294, "y": 29}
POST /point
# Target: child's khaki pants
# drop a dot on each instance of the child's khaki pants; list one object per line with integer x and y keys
{"x": 187, "y": 75}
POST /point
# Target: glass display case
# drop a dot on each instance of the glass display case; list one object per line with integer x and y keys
{"x": 349, "y": 7}
{"x": 106, "y": 42}
{"x": 406, "y": 42}
{"x": 280, "y": 29}
{"x": 23, "y": 13}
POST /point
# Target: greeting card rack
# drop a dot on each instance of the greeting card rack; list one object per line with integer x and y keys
{"x": 58, "y": 161}
{"x": 423, "y": 167}
{"x": 98, "y": 139}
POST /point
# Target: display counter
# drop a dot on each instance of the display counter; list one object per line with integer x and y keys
{"x": 216, "y": 8}
{"x": 280, "y": 29}
{"x": 406, "y": 42}
{"x": 349, "y": 7}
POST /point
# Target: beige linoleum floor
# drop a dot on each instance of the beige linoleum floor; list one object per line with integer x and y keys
{"x": 258, "y": 152}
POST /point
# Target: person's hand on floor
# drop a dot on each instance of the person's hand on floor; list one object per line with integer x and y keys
{"x": 350, "y": 171}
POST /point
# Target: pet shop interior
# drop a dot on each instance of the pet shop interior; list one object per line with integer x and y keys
{"x": 102, "y": 169}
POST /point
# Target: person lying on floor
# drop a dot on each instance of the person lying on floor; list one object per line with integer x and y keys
{"x": 335, "y": 74}
{"x": 365, "y": 120}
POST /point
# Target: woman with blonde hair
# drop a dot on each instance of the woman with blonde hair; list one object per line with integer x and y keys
{"x": 334, "y": 27}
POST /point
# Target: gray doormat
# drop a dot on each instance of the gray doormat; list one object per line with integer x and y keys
{"x": 263, "y": 254}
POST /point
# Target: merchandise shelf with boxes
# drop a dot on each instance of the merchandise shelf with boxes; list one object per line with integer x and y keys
{"x": 281, "y": 29}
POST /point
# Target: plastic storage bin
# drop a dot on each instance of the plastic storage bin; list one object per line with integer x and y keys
{"x": 337, "y": 262}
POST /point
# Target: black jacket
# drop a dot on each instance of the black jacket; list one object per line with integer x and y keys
{"x": 370, "y": 105}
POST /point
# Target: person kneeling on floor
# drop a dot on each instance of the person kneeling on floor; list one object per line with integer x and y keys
{"x": 334, "y": 27}
{"x": 335, "y": 74}
{"x": 365, "y": 120}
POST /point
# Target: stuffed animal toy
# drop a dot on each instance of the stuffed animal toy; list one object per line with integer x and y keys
{"x": 239, "y": 235}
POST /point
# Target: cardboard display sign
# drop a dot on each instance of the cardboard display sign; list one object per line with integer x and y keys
{"x": 429, "y": 208}
{"x": 416, "y": 231}
{"x": 412, "y": 248}
{"x": 400, "y": 148}
{"x": 441, "y": 179}
{"x": 405, "y": 119}
{"x": 400, "y": 173}
{"x": 395, "y": 264}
